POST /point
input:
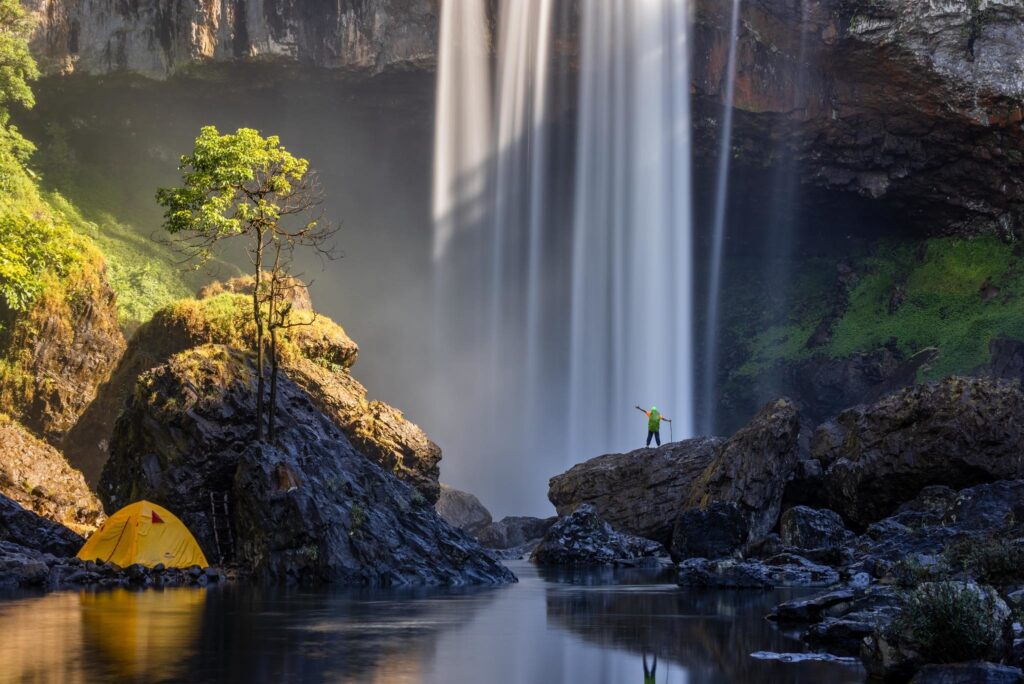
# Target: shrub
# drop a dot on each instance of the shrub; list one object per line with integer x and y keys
{"x": 991, "y": 560}
{"x": 952, "y": 622}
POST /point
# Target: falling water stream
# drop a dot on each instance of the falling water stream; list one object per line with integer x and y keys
{"x": 557, "y": 328}
{"x": 711, "y": 341}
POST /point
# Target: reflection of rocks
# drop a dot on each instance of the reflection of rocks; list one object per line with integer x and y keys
{"x": 968, "y": 673}
{"x": 462, "y": 510}
{"x": 960, "y": 431}
{"x": 583, "y": 538}
{"x": 640, "y": 492}
{"x": 784, "y": 570}
{"x": 710, "y": 633}
{"x": 306, "y": 508}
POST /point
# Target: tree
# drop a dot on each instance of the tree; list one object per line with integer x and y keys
{"x": 244, "y": 185}
{"x": 17, "y": 70}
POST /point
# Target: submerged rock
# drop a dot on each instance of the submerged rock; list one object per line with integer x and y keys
{"x": 640, "y": 492}
{"x": 784, "y": 570}
{"x": 957, "y": 432}
{"x": 35, "y": 475}
{"x": 583, "y": 538}
{"x": 462, "y": 510}
{"x": 306, "y": 507}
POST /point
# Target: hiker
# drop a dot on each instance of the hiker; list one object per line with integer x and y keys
{"x": 654, "y": 419}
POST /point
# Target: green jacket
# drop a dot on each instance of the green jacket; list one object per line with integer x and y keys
{"x": 654, "y": 421}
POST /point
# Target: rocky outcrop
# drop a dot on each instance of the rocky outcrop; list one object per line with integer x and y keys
{"x": 37, "y": 477}
{"x": 751, "y": 468}
{"x": 956, "y": 432}
{"x": 318, "y": 356}
{"x": 968, "y": 673}
{"x": 640, "y": 492}
{"x": 462, "y": 510}
{"x": 56, "y": 354}
{"x": 25, "y": 529}
{"x": 306, "y": 508}
{"x": 583, "y": 538}
{"x": 785, "y": 570}
{"x": 157, "y": 40}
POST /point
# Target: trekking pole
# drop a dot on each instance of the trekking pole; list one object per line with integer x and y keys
{"x": 671, "y": 437}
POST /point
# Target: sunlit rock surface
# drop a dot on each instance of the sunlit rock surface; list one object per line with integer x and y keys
{"x": 305, "y": 508}
{"x": 318, "y": 357}
{"x": 35, "y": 475}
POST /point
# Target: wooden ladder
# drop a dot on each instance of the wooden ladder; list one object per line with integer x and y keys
{"x": 221, "y": 518}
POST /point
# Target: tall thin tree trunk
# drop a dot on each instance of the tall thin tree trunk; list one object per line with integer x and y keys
{"x": 258, "y": 318}
{"x": 272, "y": 408}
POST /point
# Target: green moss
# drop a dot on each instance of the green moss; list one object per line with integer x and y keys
{"x": 943, "y": 305}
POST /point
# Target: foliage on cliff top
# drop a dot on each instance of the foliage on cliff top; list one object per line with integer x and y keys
{"x": 954, "y": 294}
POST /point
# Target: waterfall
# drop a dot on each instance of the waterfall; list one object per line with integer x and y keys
{"x": 563, "y": 286}
{"x": 711, "y": 337}
{"x": 631, "y": 256}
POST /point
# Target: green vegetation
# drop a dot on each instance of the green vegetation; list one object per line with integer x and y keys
{"x": 951, "y": 622}
{"x": 244, "y": 185}
{"x": 954, "y": 294}
{"x": 991, "y": 560}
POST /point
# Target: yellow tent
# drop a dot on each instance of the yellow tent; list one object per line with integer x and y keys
{"x": 144, "y": 533}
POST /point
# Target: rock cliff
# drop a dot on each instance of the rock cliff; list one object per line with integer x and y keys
{"x": 307, "y": 508}
{"x": 157, "y": 38}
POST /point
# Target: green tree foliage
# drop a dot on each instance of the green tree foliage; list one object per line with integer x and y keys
{"x": 244, "y": 185}
{"x": 17, "y": 70}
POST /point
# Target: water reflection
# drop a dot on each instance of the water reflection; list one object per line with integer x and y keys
{"x": 603, "y": 627}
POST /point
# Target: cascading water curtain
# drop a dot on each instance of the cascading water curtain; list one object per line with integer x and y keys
{"x": 709, "y": 378}
{"x": 632, "y": 300}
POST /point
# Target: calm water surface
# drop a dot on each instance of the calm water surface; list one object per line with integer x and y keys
{"x": 586, "y": 627}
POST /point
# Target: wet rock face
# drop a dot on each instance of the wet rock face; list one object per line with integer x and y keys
{"x": 640, "y": 492}
{"x": 583, "y": 538}
{"x": 751, "y": 468}
{"x": 462, "y": 510}
{"x": 956, "y": 432}
{"x": 308, "y": 508}
{"x": 26, "y": 529}
{"x": 156, "y": 39}
{"x": 35, "y": 475}
{"x": 968, "y": 673}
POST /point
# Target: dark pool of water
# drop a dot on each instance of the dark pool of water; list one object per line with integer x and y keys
{"x": 587, "y": 627}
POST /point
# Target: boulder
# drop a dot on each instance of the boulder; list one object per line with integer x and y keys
{"x": 30, "y": 531}
{"x": 750, "y": 469}
{"x": 306, "y": 508}
{"x": 808, "y": 529}
{"x": 512, "y": 532}
{"x": 640, "y": 492}
{"x": 318, "y": 356}
{"x": 583, "y": 538}
{"x": 811, "y": 609}
{"x": 718, "y": 531}
{"x": 35, "y": 475}
{"x": 956, "y": 432}
{"x": 785, "y": 570}
{"x": 968, "y": 673}
{"x": 462, "y": 510}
